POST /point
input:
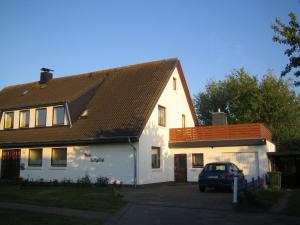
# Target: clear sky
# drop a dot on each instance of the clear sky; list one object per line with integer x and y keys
{"x": 211, "y": 38}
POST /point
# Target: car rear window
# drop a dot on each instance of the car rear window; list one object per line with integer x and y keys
{"x": 216, "y": 167}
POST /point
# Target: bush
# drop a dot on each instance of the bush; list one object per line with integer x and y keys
{"x": 102, "y": 181}
{"x": 86, "y": 180}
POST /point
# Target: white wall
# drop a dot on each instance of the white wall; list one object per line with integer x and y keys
{"x": 216, "y": 154}
{"x": 117, "y": 165}
{"x": 176, "y": 104}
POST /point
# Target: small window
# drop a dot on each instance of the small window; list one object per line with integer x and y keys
{"x": 40, "y": 120}
{"x": 183, "y": 120}
{"x": 8, "y": 120}
{"x": 24, "y": 119}
{"x": 197, "y": 160}
{"x": 35, "y": 157}
{"x": 174, "y": 84}
{"x": 161, "y": 116}
{"x": 155, "y": 156}
{"x": 59, "y": 115}
{"x": 59, "y": 157}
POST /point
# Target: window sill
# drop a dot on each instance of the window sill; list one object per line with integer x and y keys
{"x": 156, "y": 170}
{"x": 57, "y": 168}
{"x": 34, "y": 168}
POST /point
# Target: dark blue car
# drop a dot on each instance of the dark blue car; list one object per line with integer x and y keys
{"x": 220, "y": 175}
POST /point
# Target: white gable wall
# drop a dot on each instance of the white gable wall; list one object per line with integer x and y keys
{"x": 176, "y": 104}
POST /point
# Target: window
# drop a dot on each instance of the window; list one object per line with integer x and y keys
{"x": 40, "y": 119}
{"x": 59, "y": 157}
{"x": 174, "y": 84}
{"x": 197, "y": 160}
{"x": 8, "y": 120}
{"x": 35, "y": 157}
{"x": 59, "y": 115}
{"x": 161, "y": 116}
{"x": 24, "y": 119}
{"x": 183, "y": 120}
{"x": 155, "y": 157}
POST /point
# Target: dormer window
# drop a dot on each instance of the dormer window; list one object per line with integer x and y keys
{"x": 40, "y": 117}
{"x": 24, "y": 119}
{"x": 8, "y": 120}
{"x": 59, "y": 115}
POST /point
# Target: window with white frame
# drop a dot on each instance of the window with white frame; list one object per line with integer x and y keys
{"x": 155, "y": 157}
{"x": 35, "y": 157}
{"x": 59, "y": 157}
{"x": 40, "y": 117}
{"x": 59, "y": 115}
{"x": 24, "y": 118}
{"x": 8, "y": 120}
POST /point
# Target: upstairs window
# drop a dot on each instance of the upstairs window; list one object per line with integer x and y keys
{"x": 59, "y": 157}
{"x": 174, "y": 84}
{"x": 40, "y": 117}
{"x": 24, "y": 119}
{"x": 35, "y": 157}
{"x": 155, "y": 157}
{"x": 161, "y": 116}
{"x": 59, "y": 115}
{"x": 183, "y": 120}
{"x": 8, "y": 120}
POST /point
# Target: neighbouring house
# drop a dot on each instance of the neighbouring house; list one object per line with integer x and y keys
{"x": 134, "y": 124}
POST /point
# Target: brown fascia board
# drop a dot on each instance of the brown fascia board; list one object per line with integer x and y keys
{"x": 33, "y": 106}
{"x": 218, "y": 143}
{"x": 187, "y": 93}
{"x": 123, "y": 139}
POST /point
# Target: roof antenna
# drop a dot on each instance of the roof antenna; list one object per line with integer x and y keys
{"x": 46, "y": 69}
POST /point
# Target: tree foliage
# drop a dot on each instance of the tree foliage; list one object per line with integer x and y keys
{"x": 246, "y": 99}
{"x": 289, "y": 35}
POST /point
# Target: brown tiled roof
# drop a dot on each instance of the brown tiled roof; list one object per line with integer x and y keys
{"x": 119, "y": 102}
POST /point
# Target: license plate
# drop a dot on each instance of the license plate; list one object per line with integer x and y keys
{"x": 212, "y": 177}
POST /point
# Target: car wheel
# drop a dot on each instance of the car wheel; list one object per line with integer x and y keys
{"x": 202, "y": 188}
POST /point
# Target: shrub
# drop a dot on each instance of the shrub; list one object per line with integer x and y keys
{"x": 102, "y": 181}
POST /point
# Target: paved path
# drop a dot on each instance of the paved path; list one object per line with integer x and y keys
{"x": 58, "y": 211}
{"x": 281, "y": 204}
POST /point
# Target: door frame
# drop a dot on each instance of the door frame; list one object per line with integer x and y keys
{"x": 17, "y": 169}
{"x": 185, "y": 174}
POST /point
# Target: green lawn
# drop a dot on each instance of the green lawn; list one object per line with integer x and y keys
{"x": 16, "y": 217}
{"x": 76, "y": 197}
{"x": 293, "y": 205}
{"x": 260, "y": 201}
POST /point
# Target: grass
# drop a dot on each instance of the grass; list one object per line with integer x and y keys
{"x": 16, "y": 217}
{"x": 293, "y": 205}
{"x": 87, "y": 198}
{"x": 260, "y": 201}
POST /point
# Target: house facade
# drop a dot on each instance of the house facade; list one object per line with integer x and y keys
{"x": 114, "y": 123}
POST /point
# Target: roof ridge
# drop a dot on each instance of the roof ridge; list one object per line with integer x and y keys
{"x": 93, "y": 72}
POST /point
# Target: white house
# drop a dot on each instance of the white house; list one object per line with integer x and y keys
{"x": 113, "y": 123}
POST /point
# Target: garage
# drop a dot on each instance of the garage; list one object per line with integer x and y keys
{"x": 246, "y": 161}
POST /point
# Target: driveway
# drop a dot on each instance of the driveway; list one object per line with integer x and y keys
{"x": 182, "y": 204}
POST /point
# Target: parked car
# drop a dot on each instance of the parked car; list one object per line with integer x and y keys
{"x": 220, "y": 175}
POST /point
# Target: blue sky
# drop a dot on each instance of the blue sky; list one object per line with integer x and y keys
{"x": 211, "y": 38}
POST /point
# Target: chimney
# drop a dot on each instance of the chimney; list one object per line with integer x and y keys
{"x": 219, "y": 118}
{"x": 46, "y": 75}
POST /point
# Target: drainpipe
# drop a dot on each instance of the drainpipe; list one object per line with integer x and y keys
{"x": 134, "y": 159}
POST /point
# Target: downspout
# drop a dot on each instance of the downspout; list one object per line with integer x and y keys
{"x": 134, "y": 163}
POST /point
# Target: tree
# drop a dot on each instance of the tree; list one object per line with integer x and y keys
{"x": 245, "y": 99}
{"x": 289, "y": 35}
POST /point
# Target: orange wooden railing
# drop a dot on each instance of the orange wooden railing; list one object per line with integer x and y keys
{"x": 220, "y": 132}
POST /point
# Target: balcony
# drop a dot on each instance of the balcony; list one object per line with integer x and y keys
{"x": 220, "y": 132}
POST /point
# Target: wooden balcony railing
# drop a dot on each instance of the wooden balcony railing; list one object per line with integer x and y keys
{"x": 220, "y": 132}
